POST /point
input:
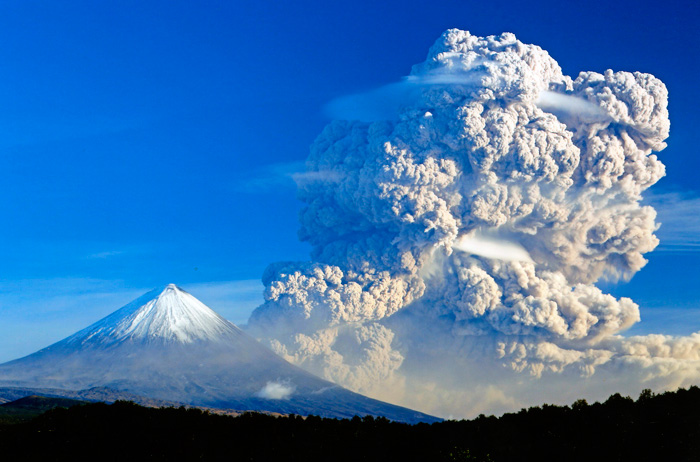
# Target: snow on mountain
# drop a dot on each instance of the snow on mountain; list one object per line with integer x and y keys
{"x": 168, "y": 315}
{"x": 169, "y": 346}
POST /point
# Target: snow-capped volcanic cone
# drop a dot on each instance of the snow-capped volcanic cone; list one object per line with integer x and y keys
{"x": 169, "y": 346}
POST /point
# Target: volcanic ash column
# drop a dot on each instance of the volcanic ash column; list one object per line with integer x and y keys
{"x": 458, "y": 229}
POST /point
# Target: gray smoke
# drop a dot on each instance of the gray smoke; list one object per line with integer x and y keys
{"x": 459, "y": 228}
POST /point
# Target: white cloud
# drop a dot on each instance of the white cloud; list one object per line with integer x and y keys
{"x": 276, "y": 390}
{"x": 679, "y": 216}
{"x": 480, "y": 243}
{"x": 281, "y": 176}
{"x": 105, "y": 254}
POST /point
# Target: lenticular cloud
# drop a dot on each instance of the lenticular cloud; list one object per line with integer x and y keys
{"x": 458, "y": 232}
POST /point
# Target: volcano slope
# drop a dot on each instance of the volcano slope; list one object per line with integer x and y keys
{"x": 167, "y": 347}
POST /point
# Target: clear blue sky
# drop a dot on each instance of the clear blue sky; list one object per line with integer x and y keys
{"x": 149, "y": 142}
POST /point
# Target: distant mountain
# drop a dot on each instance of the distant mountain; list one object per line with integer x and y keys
{"x": 168, "y": 346}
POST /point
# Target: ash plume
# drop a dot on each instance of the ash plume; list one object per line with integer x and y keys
{"x": 457, "y": 246}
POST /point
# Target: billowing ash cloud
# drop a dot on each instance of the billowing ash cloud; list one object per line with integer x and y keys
{"x": 459, "y": 228}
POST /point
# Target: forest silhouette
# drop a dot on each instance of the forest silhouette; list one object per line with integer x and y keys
{"x": 653, "y": 427}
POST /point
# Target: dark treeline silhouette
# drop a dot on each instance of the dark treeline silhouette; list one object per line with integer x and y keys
{"x": 662, "y": 427}
{"x": 27, "y": 408}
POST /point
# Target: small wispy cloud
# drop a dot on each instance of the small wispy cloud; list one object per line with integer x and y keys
{"x": 567, "y": 105}
{"x": 108, "y": 250}
{"x": 489, "y": 245}
{"x": 276, "y": 390}
{"x": 385, "y": 102}
{"x": 234, "y": 300}
{"x": 35, "y": 313}
{"x": 270, "y": 177}
{"x": 104, "y": 255}
{"x": 282, "y": 176}
{"x": 679, "y": 215}
{"x": 302, "y": 178}
{"x": 44, "y": 128}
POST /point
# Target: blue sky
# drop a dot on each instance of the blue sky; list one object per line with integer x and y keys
{"x": 143, "y": 143}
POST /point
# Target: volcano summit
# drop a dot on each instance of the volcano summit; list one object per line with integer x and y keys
{"x": 168, "y": 346}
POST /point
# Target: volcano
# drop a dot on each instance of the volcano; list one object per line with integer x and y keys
{"x": 168, "y": 347}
